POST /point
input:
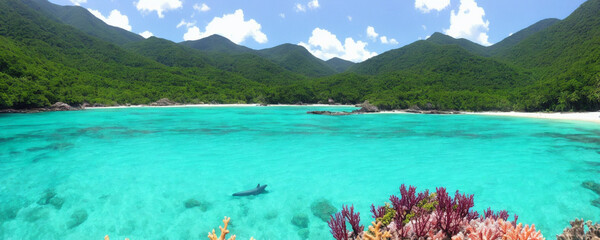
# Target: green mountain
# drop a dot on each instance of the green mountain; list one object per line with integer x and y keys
{"x": 339, "y": 65}
{"x": 565, "y": 61}
{"x": 217, "y": 43}
{"x": 288, "y": 56}
{"x": 83, "y": 20}
{"x": 43, "y": 61}
{"x": 509, "y": 42}
{"x": 297, "y": 59}
{"x": 472, "y": 47}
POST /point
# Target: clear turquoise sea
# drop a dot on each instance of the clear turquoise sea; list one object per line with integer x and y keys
{"x": 130, "y": 172}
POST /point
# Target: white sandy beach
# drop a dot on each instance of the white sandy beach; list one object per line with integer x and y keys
{"x": 574, "y": 116}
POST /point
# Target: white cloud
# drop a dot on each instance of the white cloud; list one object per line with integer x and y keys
{"x": 350, "y": 18}
{"x": 146, "y": 34}
{"x": 78, "y": 2}
{"x": 424, "y": 27}
{"x": 428, "y": 5}
{"x": 159, "y": 6}
{"x": 468, "y": 23}
{"x": 385, "y": 40}
{"x": 371, "y": 33}
{"x": 325, "y": 45}
{"x": 201, "y": 8}
{"x": 186, "y": 24}
{"x": 314, "y": 4}
{"x": 115, "y": 19}
{"x": 232, "y": 26}
{"x": 282, "y": 15}
{"x": 192, "y": 33}
{"x": 300, "y": 8}
{"x": 510, "y": 34}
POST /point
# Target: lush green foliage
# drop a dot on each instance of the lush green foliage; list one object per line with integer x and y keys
{"x": 50, "y": 54}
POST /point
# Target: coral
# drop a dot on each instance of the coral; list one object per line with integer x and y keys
{"x": 404, "y": 206}
{"x": 388, "y": 217}
{"x": 577, "y": 231}
{"x": 353, "y": 219}
{"x": 489, "y": 213}
{"x": 213, "y": 236}
{"x": 375, "y": 232}
{"x": 422, "y": 224}
{"x": 377, "y": 212}
{"x": 519, "y": 232}
{"x": 337, "y": 224}
{"x": 450, "y": 212}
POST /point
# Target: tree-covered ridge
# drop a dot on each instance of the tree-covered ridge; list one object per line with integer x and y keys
{"x": 552, "y": 65}
{"x": 83, "y": 20}
{"x": 338, "y": 64}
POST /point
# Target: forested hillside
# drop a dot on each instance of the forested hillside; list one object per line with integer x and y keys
{"x": 50, "y": 53}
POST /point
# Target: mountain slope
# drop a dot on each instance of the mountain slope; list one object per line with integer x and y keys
{"x": 297, "y": 59}
{"x": 339, "y": 65}
{"x": 83, "y": 20}
{"x": 565, "y": 58}
{"x": 509, "y": 42}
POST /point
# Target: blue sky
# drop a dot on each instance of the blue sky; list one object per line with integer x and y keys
{"x": 352, "y": 30}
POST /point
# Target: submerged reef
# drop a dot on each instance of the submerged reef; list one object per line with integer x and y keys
{"x": 595, "y": 187}
{"x": 322, "y": 209}
{"x": 578, "y": 231}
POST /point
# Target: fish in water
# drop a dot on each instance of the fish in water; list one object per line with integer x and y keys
{"x": 255, "y": 191}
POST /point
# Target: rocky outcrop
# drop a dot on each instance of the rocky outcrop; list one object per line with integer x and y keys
{"x": 163, "y": 102}
{"x": 58, "y": 106}
{"x": 365, "y": 107}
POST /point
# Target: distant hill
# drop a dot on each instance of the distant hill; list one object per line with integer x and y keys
{"x": 217, "y": 43}
{"x": 472, "y": 47}
{"x": 291, "y": 57}
{"x": 83, "y": 20}
{"x": 339, "y": 65}
{"x": 297, "y": 59}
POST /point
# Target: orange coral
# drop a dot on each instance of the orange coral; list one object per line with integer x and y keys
{"x": 224, "y": 232}
{"x": 375, "y": 229}
{"x": 519, "y": 232}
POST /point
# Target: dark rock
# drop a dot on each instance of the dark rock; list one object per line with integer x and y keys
{"x": 57, "y": 202}
{"x": 329, "y": 113}
{"x": 596, "y": 203}
{"x": 413, "y": 111}
{"x": 77, "y": 218}
{"x": 61, "y": 106}
{"x": 10, "y": 207}
{"x": 300, "y": 220}
{"x": 45, "y": 199}
{"x": 595, "y": 187}
{"x": 98, "y": 105}
{"x": 34, "y": 214}
{"x": 367, "y": 107}
{"x": 303, "y": 233}
{"x": 163, "y": 102}
{"x": 192, "y": 203}
{"x": 323, "y": 209}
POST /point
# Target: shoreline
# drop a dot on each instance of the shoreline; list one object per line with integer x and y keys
{"x": 217, "y": 105}
{"x": 565, "y": 116}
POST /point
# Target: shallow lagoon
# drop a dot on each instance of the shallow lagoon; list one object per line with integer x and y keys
{"x": 129, "y": 172}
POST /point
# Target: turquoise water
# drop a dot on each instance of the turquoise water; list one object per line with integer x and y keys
{"x": 130, "y": 172}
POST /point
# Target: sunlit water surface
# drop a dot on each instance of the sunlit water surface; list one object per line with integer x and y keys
{"x": 130, "y": 172}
